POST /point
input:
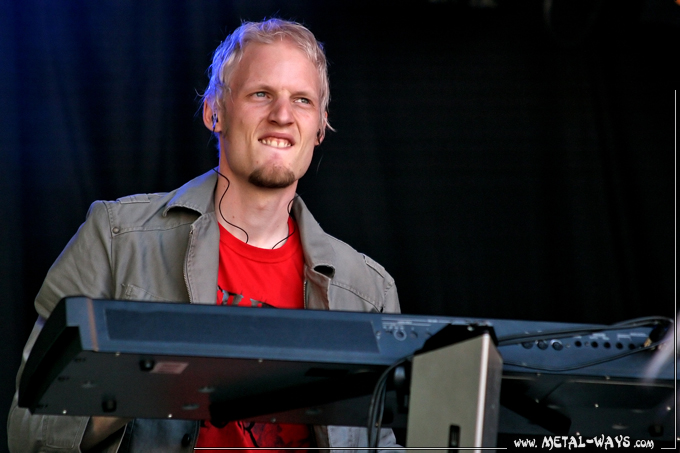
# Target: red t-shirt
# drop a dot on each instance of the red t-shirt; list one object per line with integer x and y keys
{"x": 254, "y": 277}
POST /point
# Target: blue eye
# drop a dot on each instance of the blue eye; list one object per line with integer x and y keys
{"x": 260, "y": 94}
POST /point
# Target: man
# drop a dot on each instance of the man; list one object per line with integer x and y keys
{"x": 238, "y": 235}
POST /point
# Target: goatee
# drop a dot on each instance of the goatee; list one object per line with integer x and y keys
{"x": 272, "y": 177}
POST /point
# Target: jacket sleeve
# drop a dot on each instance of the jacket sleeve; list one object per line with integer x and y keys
{"x": 83, "y": 268}
{"x": 390, "y": 300}
{"x": 356, "y": 437}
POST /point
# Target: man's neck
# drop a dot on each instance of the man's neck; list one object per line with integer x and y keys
{"x": 255, "y": 215}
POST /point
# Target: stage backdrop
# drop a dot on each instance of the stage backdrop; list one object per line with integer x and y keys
{"x": 506, "y": 159}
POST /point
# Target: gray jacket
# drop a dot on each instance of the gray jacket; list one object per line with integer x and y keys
{"x": 163, "y": 247}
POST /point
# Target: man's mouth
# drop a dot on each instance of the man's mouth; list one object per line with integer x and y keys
{"x": 276, "y": 142}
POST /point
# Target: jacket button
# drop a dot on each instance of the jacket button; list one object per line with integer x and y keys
{"x": 116, "y": 230}
{"x": 186, "y": 440}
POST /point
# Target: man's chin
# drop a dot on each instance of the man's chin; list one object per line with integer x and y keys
{"x": 277, "y": 178}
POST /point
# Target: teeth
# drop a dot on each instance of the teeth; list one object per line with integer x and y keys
{"x": 276, "y": 142}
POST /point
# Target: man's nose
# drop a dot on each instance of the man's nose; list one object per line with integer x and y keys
{"x": 281, "y": 112}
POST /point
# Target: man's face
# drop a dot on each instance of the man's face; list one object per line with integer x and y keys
{"x": 271, "y": 121}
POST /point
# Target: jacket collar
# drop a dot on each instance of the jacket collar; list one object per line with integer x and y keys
{"x": 319, "y": 255}
{"x": 196, "y": 195}
{"x": 318, "y": 251}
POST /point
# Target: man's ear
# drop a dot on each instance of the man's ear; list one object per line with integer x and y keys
{"x": 210, "y": 118}
{"x": 321, "y": 133}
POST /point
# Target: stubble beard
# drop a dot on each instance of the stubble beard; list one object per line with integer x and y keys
{"x": 272, "y": 177}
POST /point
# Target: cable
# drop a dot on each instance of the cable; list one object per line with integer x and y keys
{"x": 219, "y": 208}
{"x": 290, "y": 207}
{"x": 377, "y": 406}
{"x": 220, "y": 205}
{"x": 645, "y": 321}
{"x": 649, "y": 321}
{"x": 561, "y": 333}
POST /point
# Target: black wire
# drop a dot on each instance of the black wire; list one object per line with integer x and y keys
{"x": 290, "y": 207}
{"x": 648, "y": 321}
{"x": 645, "y": 321}
{"x": 561, "y": 333}
{"x": 378, "y": 413}
{"x": 219, "y": 208}
{"x": 372, "y": 411}
{"x": 375, "y": 410}
{"x": 377, "y": 406}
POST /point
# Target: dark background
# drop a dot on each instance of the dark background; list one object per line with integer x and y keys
{"x": 505, "y": 159}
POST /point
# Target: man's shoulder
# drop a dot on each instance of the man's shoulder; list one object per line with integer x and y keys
{"x": 353, "y": 261}
{"x": 157, "y": 210}
{"x": 345, "y": 253}
{"x": 133, "y": 212}
{"x": 360, "y": 283}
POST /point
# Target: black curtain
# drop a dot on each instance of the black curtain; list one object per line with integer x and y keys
{"x": 503, "y": 159}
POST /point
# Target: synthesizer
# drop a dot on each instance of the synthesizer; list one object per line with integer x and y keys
{"x": 190, "y": 361}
